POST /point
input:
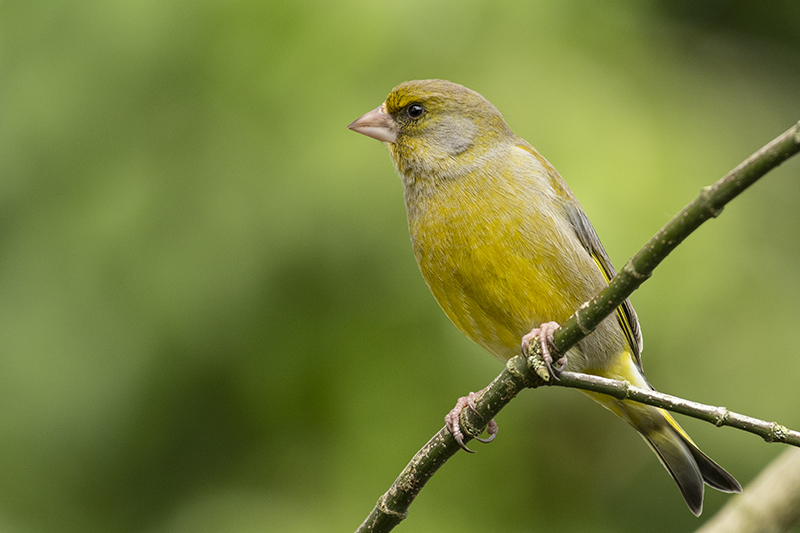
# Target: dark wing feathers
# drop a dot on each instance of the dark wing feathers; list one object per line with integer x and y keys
{"x": 588, "y": 237}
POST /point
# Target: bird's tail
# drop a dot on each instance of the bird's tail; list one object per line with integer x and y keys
{"x": 688, "y": 466}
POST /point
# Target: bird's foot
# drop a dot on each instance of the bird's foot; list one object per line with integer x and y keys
{"x": 545, "y": 333}
{"x": 451, "y": 421}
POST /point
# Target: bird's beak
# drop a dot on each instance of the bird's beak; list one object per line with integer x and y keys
{"x": 377, "y": 124}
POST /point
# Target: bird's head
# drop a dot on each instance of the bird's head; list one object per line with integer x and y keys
{"x": 434, "y": 127}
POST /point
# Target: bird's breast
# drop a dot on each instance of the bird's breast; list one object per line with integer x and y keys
{"x": 498, "y": 258}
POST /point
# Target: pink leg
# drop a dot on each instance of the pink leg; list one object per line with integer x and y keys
{"x": 451, "y": 421}
{"x": 545, "y": 333}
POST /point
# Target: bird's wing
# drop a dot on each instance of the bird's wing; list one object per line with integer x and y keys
{"x": 591, "y": 242}
{"x": 626, "y": 316}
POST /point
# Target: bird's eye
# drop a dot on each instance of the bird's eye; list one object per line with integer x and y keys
{"x": 415, "y": 110}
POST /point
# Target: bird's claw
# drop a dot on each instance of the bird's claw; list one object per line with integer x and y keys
{"x": 491, "y": 429}
{"x": 451, "y": 421}
{"x": 545, "y": 333}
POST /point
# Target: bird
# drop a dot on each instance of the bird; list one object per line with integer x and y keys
{"x": 508, "y": 253}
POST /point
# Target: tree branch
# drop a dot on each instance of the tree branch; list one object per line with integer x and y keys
{"x": 528, "y": 371}
{"x": 771, "y": 502}
{"x": 708, "y": 204}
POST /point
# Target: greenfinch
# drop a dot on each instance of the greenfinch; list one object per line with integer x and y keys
{"x": 508, "y": 253}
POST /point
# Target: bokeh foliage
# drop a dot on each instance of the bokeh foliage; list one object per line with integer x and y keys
{"x": 210, "y": 316}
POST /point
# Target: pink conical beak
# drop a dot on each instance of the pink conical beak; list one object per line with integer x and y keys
{"x": 377, "y": 124}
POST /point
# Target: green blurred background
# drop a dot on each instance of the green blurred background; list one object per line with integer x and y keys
{"x": 210, "y": 315}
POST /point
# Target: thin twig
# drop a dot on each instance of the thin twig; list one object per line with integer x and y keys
{"x": 719, "y": 416}
{"x": 522, "y": 372}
